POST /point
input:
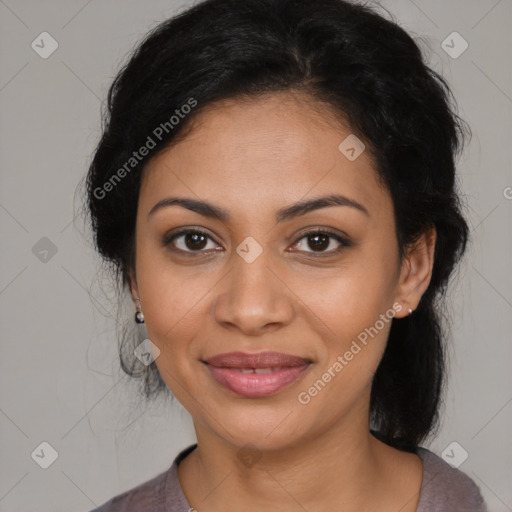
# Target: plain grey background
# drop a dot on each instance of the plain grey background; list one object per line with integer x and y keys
{"x": 60, "y": 376}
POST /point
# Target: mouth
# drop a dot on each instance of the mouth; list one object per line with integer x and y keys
{"x": 256, "y": 375}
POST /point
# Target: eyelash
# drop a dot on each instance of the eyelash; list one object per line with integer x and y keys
{"x": 168, "y": 239}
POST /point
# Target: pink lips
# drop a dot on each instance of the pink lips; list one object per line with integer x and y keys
{"x": 256, "y": 375}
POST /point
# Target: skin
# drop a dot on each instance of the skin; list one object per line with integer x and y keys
{"x": 253, "y": 158}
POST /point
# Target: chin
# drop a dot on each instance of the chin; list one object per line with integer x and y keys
{"x": 267, "y": 427}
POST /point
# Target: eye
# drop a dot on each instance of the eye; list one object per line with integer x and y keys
{"x": 189, "y": 240}
{"x": 320, "y": 240}
{"x": 196, "y": 241}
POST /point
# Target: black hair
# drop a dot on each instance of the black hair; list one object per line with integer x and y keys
{"x": 373, "y": 75}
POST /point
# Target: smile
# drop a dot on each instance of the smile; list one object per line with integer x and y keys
{"x": 256, "y": 375}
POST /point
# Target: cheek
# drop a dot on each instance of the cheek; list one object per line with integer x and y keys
{"x": 354, "y": 313}
{"x": 349, "y": 360}
{"x": 174, "y": 302}
{"x": 173, "y": 315}
{"x": 351, "y": 300}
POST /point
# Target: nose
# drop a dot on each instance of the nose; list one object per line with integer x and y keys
{"x": 254, "y": 297}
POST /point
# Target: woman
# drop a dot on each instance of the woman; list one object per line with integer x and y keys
{"x": 275, "y": 186}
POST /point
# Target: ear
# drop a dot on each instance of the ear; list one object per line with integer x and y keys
{"x": 416, "y": 271}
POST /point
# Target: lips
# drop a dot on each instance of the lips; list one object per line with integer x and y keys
{"x": 256, "y": 375}
{"x": 244, "y": 360}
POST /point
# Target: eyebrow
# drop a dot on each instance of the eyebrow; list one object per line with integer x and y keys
{"x": 283, "y": 214}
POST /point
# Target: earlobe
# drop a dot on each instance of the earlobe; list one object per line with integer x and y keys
{"x": 417, "y": 270}
{"x": 139, "y": 315}
{"x": 134, "y": 290}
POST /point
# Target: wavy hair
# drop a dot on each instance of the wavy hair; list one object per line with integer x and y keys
{"x": 373, "y": 75}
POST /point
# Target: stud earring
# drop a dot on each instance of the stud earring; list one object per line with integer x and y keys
{"x": 139, "y": 315}
{"x": 410, "y": 311}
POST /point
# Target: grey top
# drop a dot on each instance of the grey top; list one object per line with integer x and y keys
{"x": 444, "y": 489}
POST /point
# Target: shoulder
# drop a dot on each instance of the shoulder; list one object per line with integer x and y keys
{"x": 160, "y": 494}
{"x": 446, "y": 489}
{"x": 142, "y": 497}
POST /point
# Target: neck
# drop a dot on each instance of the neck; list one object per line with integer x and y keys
{"x": 342, "y": 466}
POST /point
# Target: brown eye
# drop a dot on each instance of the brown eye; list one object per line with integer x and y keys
{"x": 189, "y": 241}
{"x": 195, "y": 241}
{"x": 320, "y": 241}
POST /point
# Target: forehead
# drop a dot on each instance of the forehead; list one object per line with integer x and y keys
{"x": 280, "y": 148}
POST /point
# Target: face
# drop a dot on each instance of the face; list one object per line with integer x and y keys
{"x": 317, "y": 286}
